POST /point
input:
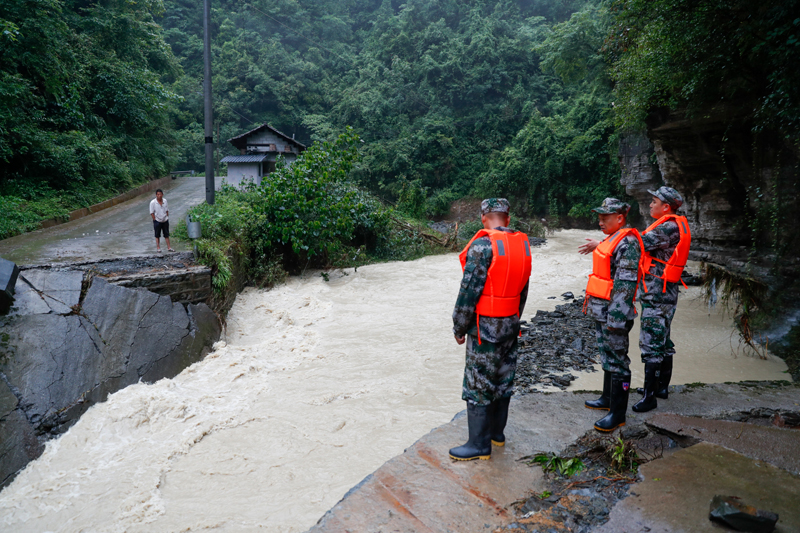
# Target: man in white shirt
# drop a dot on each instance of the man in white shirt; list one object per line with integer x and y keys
{"x": 159, "y": 212}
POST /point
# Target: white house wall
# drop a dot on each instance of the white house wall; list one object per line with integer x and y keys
{"x": 239, "y": 171}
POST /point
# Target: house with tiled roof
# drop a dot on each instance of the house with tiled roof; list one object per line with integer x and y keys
{"x": 259, "y": 150}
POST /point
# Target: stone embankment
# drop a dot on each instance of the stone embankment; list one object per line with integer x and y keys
{"x": 81, "y": 331}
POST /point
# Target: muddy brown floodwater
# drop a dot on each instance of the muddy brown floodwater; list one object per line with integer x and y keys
{"x": 316, "y": 385}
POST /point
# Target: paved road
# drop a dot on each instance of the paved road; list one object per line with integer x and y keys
{"x": 120, "y": 231}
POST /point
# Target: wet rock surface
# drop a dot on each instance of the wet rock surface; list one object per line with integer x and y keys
{"x": 580, "y": 502}
{"x": 771, "y": 444}
{"x": 733, "y": 512}
{"x": 553, "y": 345}
{"x": 608, "y": 496}
{"x": 72, "y": 338}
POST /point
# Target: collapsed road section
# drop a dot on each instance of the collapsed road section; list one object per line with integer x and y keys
{"x": 77, "y": 332}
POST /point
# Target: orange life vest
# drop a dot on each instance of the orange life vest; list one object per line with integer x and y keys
{"x": 600, "y": 281}
{"x": 507, "y": 275}
{"x": 677, "y": 261}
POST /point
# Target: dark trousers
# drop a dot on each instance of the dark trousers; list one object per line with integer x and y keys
{"x": 613, "y": 346}
{"x": 161, "y": 226}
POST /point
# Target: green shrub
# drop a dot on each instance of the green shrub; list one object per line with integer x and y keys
{"x": 304, "y": 215}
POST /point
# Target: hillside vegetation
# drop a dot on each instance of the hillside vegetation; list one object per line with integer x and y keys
{"x": 85, "y": 104}
{"x": 451, "y": 98}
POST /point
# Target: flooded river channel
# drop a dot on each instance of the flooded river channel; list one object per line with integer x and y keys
{"x": 315, "y": 386}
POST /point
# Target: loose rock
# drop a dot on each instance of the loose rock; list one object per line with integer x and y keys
{"x": 733, "y": 512}
{"x": 552, "y": 344}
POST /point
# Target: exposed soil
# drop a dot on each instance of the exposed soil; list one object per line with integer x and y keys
{"x": 579, "y": 502}
{"x": 464, "y": 209}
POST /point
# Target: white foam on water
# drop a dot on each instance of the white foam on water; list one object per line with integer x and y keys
{"x": 315, "y": 386}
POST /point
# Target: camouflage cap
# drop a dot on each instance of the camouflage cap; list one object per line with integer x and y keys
{"x": 494, "y": 205}
{"x": 668, "y": 195}
{"x": 612, "y": 205}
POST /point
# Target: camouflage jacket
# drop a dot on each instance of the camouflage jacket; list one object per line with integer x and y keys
{"x": 624, "y": 271}
{"x": 660, "y": 243}
{"x": 493, "y": 329}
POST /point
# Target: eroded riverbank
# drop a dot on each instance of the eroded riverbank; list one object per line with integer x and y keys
{"x": 317, "y": 386}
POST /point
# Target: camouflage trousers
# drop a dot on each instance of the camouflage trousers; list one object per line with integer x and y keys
{"x": 613, "y": 346}
{"x": 654, "y": 340}
{"x": 489, "y": 370}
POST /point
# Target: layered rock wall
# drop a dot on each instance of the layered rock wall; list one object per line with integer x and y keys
{"x": 72, "y": 338}
{"x": 741, "y": 190}
{"x": 738, "y": 190}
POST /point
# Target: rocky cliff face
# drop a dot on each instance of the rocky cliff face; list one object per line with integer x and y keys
{"x": 740, "y": 191}
{"x": 72, "y": 338}
{"x": 640, "y": 170}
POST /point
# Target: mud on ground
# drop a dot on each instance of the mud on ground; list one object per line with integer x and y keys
{"x": 581, "y": 501}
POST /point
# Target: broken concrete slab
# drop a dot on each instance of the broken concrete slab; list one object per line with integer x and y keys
{"x": 8, "y": 401}
{"x": 406, "y": 493}
{"x": 57, "y": 365}
{"x": 61, "y": 289}
{"x": 27, "y": 301}
{"x": 19, "y": 444}
{"x": 777, "y": 446}
{"x": 57, "y": 359}
{"x": 677, "y": 489}
{"x": 734, "y": 512}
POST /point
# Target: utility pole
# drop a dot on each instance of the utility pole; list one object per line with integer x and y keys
{"x": 207, "y": 109}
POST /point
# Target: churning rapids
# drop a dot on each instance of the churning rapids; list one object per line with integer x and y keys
{"x": 317, "y": 384}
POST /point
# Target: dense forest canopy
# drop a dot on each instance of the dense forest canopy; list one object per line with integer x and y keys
{"x": 452, "y": 98}
{"x": 439, "y": 91}
{"x": 697, "y": 54}
{"x": 84, "y": 104}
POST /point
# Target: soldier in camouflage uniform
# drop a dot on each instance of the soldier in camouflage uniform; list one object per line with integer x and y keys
{"x": 491, "y": 358}
{"x": 614, "y": 316}
{"x": 659, "y": 300}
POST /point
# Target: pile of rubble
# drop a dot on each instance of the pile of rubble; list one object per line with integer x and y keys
{"x": 553, "y": 344}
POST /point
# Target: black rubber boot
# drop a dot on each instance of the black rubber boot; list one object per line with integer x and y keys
{"x": 663, "y": 380}
{"x": 620, "y": 383}
{"x": 479, "y": 445}
{"x": 499, "y": 419}
{"x": 652, "y": 372}
{"x": 604, "y": 401}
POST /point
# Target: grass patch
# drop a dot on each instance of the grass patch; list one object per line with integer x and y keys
{"x": 563, "y": 466}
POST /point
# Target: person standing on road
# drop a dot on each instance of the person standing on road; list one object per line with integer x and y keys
{"x": 494, "y": 287}
{"x": 159, "y": 212}
{"x": 666, "y": 250}
{"x": 609, "y": 300}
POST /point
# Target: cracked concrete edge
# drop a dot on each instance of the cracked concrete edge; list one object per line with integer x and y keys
{"x": 713, "y": 401}
{"x": 76, "y": 264}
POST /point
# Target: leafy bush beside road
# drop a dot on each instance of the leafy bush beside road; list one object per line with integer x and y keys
{"x": 305, "y": 215}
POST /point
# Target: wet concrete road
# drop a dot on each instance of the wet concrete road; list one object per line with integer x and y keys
{"x": 120, "y": 231}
